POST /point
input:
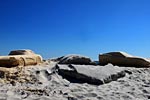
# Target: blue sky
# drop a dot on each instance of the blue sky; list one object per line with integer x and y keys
{"x": 58, "y": 27}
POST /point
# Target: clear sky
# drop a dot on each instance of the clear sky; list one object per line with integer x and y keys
{"x": 58, "y": 27}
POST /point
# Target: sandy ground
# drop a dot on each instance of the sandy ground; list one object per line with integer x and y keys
{"x": 39, "y": 83}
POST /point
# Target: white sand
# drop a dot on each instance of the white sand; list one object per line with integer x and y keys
{"x": 47, "y": 86}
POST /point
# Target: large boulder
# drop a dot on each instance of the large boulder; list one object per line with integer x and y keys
{"x": 123, "y": 59}
{"x": 96, "y": 75}
{"x": 75, "y": 59}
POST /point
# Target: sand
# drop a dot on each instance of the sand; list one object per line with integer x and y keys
{"x": 40, "y": 83}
